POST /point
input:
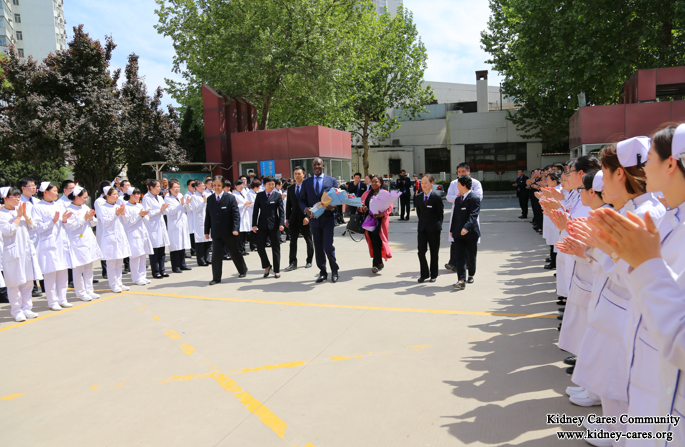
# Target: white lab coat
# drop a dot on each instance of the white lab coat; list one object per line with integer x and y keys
{"x": 19, "y": 259}
{"x": 136, "y": 231}
{"x": 179, "y": 237}
{"x": 251, "y": 196}
{"x": 245, "y": 211}
{"x": 602, "y": 366}
{"x": 2, "y": 279}
{"x": 156, "y": 227}
{"x": 30, "y": 203}
{"x": 64, "y": 201}
{"x": 114, "y": 242}
{"x": 453, "y": 193}
{"x": 52, "y": 244}
{"x": 660, "y": 287}
{"x": 189, "y": 212}
{"x": 96, "y": 206}
{"x": 82, "y": 242}
{"x": 199, "y": 207}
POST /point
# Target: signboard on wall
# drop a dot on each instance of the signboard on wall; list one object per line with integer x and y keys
{"x": 267, "y": 167}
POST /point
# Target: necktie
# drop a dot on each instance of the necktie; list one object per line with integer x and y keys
{"x": 462, "y": 200}
{"x": 31, "y": 200}
{"x": 425, "y": 200}
{"x": 318, "y": 185}
{"x": 268, "y": 194}
{"x": 218, "y": 198}
{"x": 297, "y": 191}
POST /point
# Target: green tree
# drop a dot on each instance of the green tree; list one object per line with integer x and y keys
{"x": 387, "y": 73}
{"x": 284, "y": 56}
{"x": 550, "y": 51}
{"x": 192, "y": 139}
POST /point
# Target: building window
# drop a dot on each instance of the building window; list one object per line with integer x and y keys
{"x": 17, "y": 18}
{"x": 394, "y": 166}
{"x": 20, "y": 52}
{"x": 437, "y": 160}
{"x": 15, "y": 2}
{"x": 20, "y": 36}
{"x": 497, "y": 157}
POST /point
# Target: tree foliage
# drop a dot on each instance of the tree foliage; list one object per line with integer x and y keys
{"x": 550, "y": 51}
{"x": 69, "y": 110}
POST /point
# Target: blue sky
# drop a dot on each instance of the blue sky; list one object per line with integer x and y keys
{"x": 449, "y": 28}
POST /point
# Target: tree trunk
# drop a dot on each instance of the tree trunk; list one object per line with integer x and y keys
{"x": 365, "y": 143}
{"x": 266, "y": 108}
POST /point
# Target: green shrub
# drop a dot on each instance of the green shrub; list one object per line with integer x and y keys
{"x": 498, "y": 185}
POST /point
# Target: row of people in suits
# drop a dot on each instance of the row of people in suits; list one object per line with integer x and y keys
{"x": 617, "y": 227}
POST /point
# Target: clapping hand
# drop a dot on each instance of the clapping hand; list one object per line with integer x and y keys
{"x": 66, "y": 216}
{"x": 89, "y": 214}
{"x": 56, "y": 218}
{"x": 120, "y": 210}
{"x": 144, "y": 213}
{"x": 164, "y": 207}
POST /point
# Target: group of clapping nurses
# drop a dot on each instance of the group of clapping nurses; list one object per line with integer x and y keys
{"x": 623, "y": 249}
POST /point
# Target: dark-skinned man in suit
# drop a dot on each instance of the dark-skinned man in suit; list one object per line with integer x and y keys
{"x": 297, "y": 222}
{"x": 268, "y": 221}
{"x": 323, "y": 226}
{"x": 222, "y": 222}
{"x": 465, "y": 231}
{"x": 431, "y": 212}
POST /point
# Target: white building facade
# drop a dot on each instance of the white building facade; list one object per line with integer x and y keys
{"x": 35, "y": 27}
{"x": 468, "y": 124}
{"x": 392, "y": 6}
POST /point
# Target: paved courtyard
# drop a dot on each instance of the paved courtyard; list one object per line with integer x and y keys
{"x": 373, "y": 360}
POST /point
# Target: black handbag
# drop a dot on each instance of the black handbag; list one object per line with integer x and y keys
{"x": 354, "y": 224}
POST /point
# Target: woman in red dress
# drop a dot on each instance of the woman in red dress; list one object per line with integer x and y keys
{"x": 379, "y": 247}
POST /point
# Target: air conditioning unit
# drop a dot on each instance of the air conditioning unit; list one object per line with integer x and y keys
{"x": 396, "y": 143}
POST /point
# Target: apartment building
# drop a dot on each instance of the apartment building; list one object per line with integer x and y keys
{"x": 34, "y": 27}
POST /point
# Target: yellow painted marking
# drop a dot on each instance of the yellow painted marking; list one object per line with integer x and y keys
{"x": 185, "y": 378}
{"x": 339, "y": 357}
{"x": 11, "y": 396}
{"x": 62, "y": 312}
{"x": 187, "y": 349}
{"x": 254, "y": 406}
{"x": 119, "y": 385}
{"x": 155, "y": 317}
{"x": 346, "y": 306}
{"x": 279, "y": 366}
{"x": 172, "y": 334}
{"x": 92, "y": 387}
{"x": 419, "y": 347}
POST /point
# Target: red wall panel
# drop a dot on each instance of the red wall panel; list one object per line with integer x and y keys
{"x": 646, "y": 85}
{"x": 346, "y": 138}
{"x": 303, "y": 142}
{"x": 645, "y": 118}
{"x": 283, "y": 167}
{"x": 214, "y": 149}
{"x": 245, "y": 146}
{"x": 273, "y": 144}
{"x": 670, "y": 75}
{"x": 678, "y": 111}
{"x": 324, "y": 138}
{"x": 602, "y": 124}
{"x": 336, "y": 143}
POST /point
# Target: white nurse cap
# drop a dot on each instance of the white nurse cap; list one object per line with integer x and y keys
{"x": 130, "y": 190}
{"x": 633, "y": 151}
{"x": 678, "y": 143}
{"x": 598, "y": 181}
{"x": 77, "y": 190}
{"x": 43, "y": 186}
{"x": 106, "y": 189}
{"x": 3, "y": 191}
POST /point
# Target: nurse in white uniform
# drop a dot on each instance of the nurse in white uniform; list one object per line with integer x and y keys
{"x": 114, "y": 242}
{"x": 19, "y": 259}
{"x": 602, "y": 367}
{"x": 52, "y": 245}
{"x": 83, "y": 243}
{"x": 138, "y": 237}
{"x": 244, "y": 206}
{"x": 198, "y": 204}
{"x": 179, "y": 237}
{"x": 189, "y": 212}
{"x": 156, "y": 228}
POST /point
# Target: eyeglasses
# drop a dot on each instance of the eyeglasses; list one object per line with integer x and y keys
{"x": 580, "y": 189}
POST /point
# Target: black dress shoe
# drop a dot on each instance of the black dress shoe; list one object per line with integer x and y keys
{"x": 177, "y": 271}
{"x": 470, "y": 280}
{"x": 450, "y": 267}
{"x": 185, "y": 268}
{"x": 548, "y": 259}
{"x": 157, "y": 276}
{"x": 165, "y": 275}
{"x": 70, "y": 285}
{"x": 277, "y": 275}
{"x": 561, "y": 302}
{"x": 550, "y": 267}
{"x": 562, "y": 309}
{"x": 201, "y": 264}
{"x": 459, "y": 285}
{"x": 570, "y": 360}
{"x": 212, "y": 282}
{"x": 431, "y": 280}
{"x": 266, "y": 273}
{"x": 308, "y": 265}
{"x": 523, "y": 217}
{"x": 36, "y": 294}
{"x": 560, "y": 317}
{"x": 570, "y": 369}
{"x": 422, "y": 279}
{"x": 290, "y": 268}
{"x": 321, "y": 278}
{"x": 95, "y": 281}
{"x": 125, "y": 271}
{"x": 187, "y": 256}
{"x": 334, "y": 277}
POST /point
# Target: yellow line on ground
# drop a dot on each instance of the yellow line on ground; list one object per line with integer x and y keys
{"x": 11, "y": 396}
{"x": 279, "y": 366}
{"x": 61, "y": 312}
{"x": 346, "y": 306}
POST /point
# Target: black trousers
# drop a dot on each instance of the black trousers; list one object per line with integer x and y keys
{"x": 537, "y": 211}
{"x": 202, "y": 252}
{"x": 103, "y": 264}
{"x": 178, "y": 259}
{"x": 295, "y": 231}
{"x": 157, "y": 261}
{"x": 192, "y": 244}
{"x": 230, "y": 244}
{"x": 339, "y": 215}
{"x": 523, "y": 203}
{"x": 404, "y": 204}
{"x": 553, "y": 256}
{"x": 429, "y": 240}
{"x": 253, "y": 241}
{"x": 377, "y": 246}
{"x": 244, "y": 238}
{"x": 262, "y": 236}
{"x": 127, "y": 264}
{"x": 466, "y": 252}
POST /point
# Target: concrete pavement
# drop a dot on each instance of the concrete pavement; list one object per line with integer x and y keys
{"x": 374, "y": 360}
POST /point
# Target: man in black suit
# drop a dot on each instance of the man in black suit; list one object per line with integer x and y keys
{"x": 268, "y": 218}
{"x": 323, "y": 226}
{"x": 356, "y": 187}
{"x": 522, "y": 193}
{"x": 404, "y": 185}
{"x": 297, "y": 222}
{"x": 465, "y": 230}
{"x": 430, "y": 211}
{"x": 222, "y": 222}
